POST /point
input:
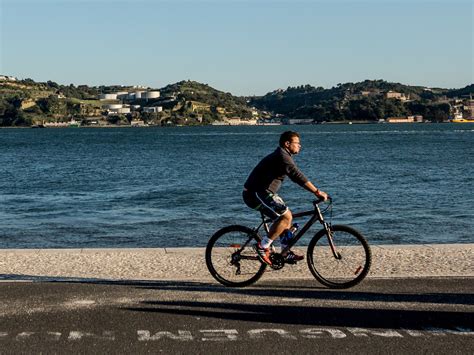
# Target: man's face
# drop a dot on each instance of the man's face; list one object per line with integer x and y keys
{"x": 293, "y": 145}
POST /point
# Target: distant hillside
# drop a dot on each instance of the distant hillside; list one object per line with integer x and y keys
{"x": 26, "y": 102}
{"x": 201, "y": 100}
{"x": 464, "y": 92}
{"x": 370, "y": 100}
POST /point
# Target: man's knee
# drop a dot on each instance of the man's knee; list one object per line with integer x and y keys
{"x": 287, "y": 216}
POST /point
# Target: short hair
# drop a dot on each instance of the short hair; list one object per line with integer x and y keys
{"x": 287, "y": 137}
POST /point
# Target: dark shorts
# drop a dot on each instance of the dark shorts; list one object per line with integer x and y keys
{"x": 270, "y": 204}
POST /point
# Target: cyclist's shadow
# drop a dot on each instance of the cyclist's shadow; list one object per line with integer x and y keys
{"x": 295, "y": 305}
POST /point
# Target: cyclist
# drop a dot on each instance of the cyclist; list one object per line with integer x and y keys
{"x": 260, "y": 192}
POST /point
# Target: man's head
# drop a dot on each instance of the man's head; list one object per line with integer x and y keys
{"x": 290, "y": 141}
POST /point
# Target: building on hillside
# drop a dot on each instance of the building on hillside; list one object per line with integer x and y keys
{"x": 370, "y": 93}
{"x": 122, "y": 95}
{"x": 116, "y": 109}
{"x": 131, "y": 95}
{"x": 153, "y": 109}
{"x": 405, "y": 119}
{"x": 107, "y": 97}
{"x": 235, "y": 121}
{"x": 138, "y": 94}
{"x": 72, "y": 123}
{"x": 199, "y": 107}
{"x": 151, "y": 95}
{"x": 138, "y": 123}
{"x": 396, "y": 95}
{"x": 470, "y": 108}
{"x": 7, "y": 78}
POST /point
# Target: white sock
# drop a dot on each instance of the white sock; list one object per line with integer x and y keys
{"x": 266, "y": 242}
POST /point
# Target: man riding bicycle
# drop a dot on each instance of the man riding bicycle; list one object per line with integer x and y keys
{"x": 260, "y": 192}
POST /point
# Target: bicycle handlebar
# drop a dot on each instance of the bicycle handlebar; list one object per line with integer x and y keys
{"x": 320, "y": 200}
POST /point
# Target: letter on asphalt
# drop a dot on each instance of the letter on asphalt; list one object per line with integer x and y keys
{"x": 313, "y": 333}
{"x": 259, "y": 333}
{"x": 183, "y": 335}
{"x": 219, "y": 334}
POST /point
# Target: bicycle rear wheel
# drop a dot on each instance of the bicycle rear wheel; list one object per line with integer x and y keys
{"x": 348, "y": 267}
{"x": 231, "y": 258}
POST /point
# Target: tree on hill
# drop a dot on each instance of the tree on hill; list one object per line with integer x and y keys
{"x": 11, "y": 113}
{"x": 464, "y": 92}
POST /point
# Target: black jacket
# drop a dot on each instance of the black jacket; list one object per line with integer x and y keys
{"x": 271, "y": 171}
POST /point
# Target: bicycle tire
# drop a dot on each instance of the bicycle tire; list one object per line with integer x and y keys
{"x": 354, "y": 260}
{"x": 222, "y": 256}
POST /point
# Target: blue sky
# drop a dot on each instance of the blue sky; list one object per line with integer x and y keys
{"x": 242, "y": 47}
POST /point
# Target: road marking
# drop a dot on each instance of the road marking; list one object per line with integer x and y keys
{"x": 24, "y": 335}
{"x": 79, "y": 335}
{"x": 262, "y": 333}
{"x": 145, "y": 335}
{"x": 219, "y": 334}
{"x": 229, "y": 335}
{"x": 291, "y": 300}
{"x": 315, "y": 333}
{"x": 361, "y": 332}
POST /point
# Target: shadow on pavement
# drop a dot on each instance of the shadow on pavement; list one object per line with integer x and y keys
{"x": 313, "y": 316}
{"x": 396, "y": 290}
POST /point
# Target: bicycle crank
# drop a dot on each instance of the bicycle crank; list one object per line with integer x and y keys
{"x": 277, "y": 261}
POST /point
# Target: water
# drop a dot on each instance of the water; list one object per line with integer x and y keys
{"x": 169, "y": 187}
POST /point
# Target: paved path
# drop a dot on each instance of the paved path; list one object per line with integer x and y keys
{"x": 286, "y": 317}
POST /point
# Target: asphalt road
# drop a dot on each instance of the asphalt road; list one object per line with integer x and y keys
{"x": 294, "y": 317}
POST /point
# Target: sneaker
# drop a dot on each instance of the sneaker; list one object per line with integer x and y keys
{"x": 263, "y": 254}
{"x": 292, "y": 258}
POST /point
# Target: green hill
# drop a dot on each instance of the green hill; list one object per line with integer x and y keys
{"x": 197, "y": 102}
{"x": 26, "y": 102}
{"x": 368, "y": 101}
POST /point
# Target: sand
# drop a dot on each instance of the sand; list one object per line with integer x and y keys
{"x": 388, "y": 261}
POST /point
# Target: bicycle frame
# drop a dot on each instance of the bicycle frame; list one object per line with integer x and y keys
{"x": 316, "y": 215}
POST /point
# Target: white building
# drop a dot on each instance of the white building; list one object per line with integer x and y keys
{"x": 151, "y": 95}
{"x": 153, "y": 109}
{"x": 121, "y": 95}
{"x": 239, "y": 122}
{"x": 138, "y": 94}
{"x": 114, "y": 109}
{"x": 7, "y": 78}
{"x": 300, "y": 121}
{"x": 108, "y": 97}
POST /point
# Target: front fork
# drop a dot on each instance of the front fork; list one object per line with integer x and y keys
{"x": 329, "y": 234}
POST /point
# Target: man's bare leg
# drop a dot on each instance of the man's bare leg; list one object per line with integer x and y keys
{"x": 280, "y": 225}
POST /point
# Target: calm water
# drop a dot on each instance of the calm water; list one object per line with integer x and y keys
{"x": 164, "y": 187}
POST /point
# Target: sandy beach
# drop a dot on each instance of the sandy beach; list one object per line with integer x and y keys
{"x": 388, "y": 261}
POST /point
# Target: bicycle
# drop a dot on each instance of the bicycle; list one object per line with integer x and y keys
{"x": 338, "y": 256}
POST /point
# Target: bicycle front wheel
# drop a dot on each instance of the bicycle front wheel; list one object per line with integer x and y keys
{"x": 346, "y": 265}
{"x": 231, "y": 258}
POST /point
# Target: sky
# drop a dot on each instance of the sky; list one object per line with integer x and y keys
{"x": 242, "y": 47}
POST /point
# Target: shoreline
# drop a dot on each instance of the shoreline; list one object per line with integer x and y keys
{"x": 182, "y": 264}
{"x": 228, "y": 125}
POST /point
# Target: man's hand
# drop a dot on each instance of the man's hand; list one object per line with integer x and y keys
{"x": 321, "y": 195}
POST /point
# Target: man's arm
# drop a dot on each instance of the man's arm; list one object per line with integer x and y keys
{"x": 317, "y": 192}
{"x": 297, "y": 176}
